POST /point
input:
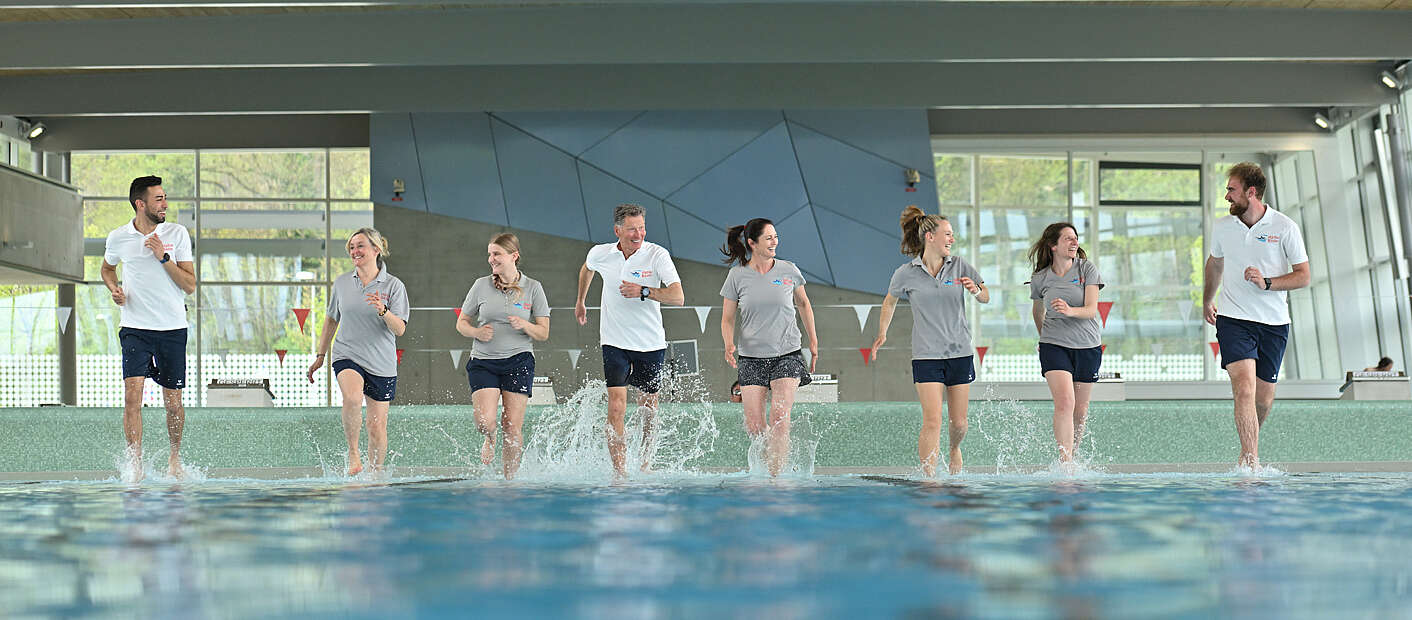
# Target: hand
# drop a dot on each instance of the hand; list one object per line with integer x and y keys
{"x": 630, "y": 290}
{"x": 375, "y": 300}
{"x": 1061, "y": 306}
{"x": 318, "y": 363}
{"x": 155, "y": 244}
{"x": 517, "y": 322}
{"x": 1253, "y": 276}
{"x": 119, "y": 297}
{"x": 971, "y": 286}
{"x": 485, "y": 333}
{"x": 1211, "y": 313}
{"x": 580, "y": 312}
{"x": 814, "y": 357}
{"x": 730, "y": 355}
{"x": 873, "y": 355}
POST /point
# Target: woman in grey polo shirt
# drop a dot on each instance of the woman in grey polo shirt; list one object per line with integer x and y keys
{"x": 1064, "y": 288}
{"x": 504, "y": 313}
{"x": 368, "y": 308}
{"x": 765, "y": 291}
{"x": 937, "y": 283}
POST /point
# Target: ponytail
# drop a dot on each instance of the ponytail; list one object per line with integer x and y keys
{"x": 375, "y": 238}
{"x": 915, "y": 226}
{"x": 737, "y": 249}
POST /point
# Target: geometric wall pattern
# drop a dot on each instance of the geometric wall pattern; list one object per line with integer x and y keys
{"x": 831, "y": 180}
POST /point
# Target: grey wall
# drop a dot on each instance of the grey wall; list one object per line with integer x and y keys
{"x": 438, "y": 257}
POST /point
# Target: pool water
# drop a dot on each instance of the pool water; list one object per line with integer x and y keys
{"x": 683, "y": 545}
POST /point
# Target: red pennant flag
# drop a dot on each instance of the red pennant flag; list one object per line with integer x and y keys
{"x": 1215, "y": 349}
{"x": 980, "y": 351}
{"x": 867, "y": 352}
{"x": 399, "y": 355}
{"x": 457, "y": 311}
{"x": 1103, "y": 308}
{"x": 1103, "y": 348}
{"x": 280, "y": 353}
{"x": 301, "y": 315}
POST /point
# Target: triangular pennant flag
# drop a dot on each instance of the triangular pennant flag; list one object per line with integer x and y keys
{"x": 701, "y": 313}
{"x": 862, "y": 311}
{"x": 867, "y": 352}
{"x": 1102, "y": 348}
{"x": 1157, "y": 349}
{"x": 1215, "y": 349}
{"x": 399, "y": 355}
{"x": 456, "y": 357}
{"x": 980, "y": 352}
{"x": 1103, "y": 308}
{"x": 301, "y": 314}
{"x": 574, "y": 357}
{"x": 457, "y": 311}
{"x": 64, "y": 313}
{"x": 280, "y": 354}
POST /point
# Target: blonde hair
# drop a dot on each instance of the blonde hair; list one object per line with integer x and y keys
{"x": 915, "y": 226}
{"x": 375, "y": 238}
{"x": 510, "y": 243}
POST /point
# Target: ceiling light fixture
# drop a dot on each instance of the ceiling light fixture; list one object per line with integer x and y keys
{"x": 1321, "y": 120}
{"x": 36, "y": 130}
{"x": 1390, "y": 80}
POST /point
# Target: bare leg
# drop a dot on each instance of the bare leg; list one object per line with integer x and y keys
{"x": 929, "y": 441}
{"x": 484, "y": 402}
{"x": 617, "y": 435}
{"x": 512, "y": 423}
{"x": 958, "y": 401}
{"x": 1061, "y": 388}
{"x": 753, "y": 398}
{"x": 1082, "y": 393}
{"x": 350, "y": 383}
{"x": 777, "y": 439}
{"x": 377, "y": 432}
{"x": 1264, "y": 400}
{"x": 1247, "y": 421}
{"x": 176, "y": 421}
{"x": 647, "y": 406}
{"x": 132, "y": 423}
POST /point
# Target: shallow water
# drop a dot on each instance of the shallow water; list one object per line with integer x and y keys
{"x": 705, "y": 545}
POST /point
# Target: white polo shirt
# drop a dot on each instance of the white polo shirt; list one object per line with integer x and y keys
{"x": 632, "y": 324}
{"x": 154, "y": 301}
{"x": 1273, "y": 245}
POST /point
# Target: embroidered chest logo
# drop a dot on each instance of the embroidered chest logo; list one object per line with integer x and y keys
{"x": 642, "y": 273}
{"x": 783, "y": 282}
{"x": 523, "y": 305}
{"x": 1076, "y": 281}
{"x": 1268, "y": 238}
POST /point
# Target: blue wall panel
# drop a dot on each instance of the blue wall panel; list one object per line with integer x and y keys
{"x": 890, "y": 134}
{"x": 394, "y": 156}
{"x": 662, "y": 151}
{"x": 693, "y": 239}
{"x": 865, "y": 186}
{"x": 573, "y": 132}
{"x": 759, "y": 180}
{"x": 541, "y": 184}
{"x": 870, "y": 257}
{"x": 459, "y": 168}
{"x": 799, "y": 242}
{"x": 602, "y": 193}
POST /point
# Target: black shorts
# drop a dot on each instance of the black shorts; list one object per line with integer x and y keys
{"x": 763, "y": 370}
{"x": 953, "y": 371}
{"x": 157, "y": 354}
{"x": 375, "y": 387}
{"x": 1081, "y": 363}
{"x": 509, "y": 374}
{"x": 1248, "y": 340}
{"x": 640, "y": 369}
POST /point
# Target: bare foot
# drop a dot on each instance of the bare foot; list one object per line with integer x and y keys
{"x": 929, "y": 470}
{"x": 1249, "y": 461}
{"x": 134, "y": 471}
{"x": 954, "y": 465}
{"x": 355, "y": 464}
{"x": 487, "y": 450}
{"x": 174, "y": 468}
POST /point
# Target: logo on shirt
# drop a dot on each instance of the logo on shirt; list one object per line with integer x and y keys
{"x": 949, "y": 282}
{"x": 1075, "y": 281}
{"x": 642, "y": 273}
{"x": 783, "y": 282}
{"x": 1268, "y": 238}
{"x": 523, "y": 305}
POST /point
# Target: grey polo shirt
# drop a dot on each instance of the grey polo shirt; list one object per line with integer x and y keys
{"x": 939, "y": 327}
{"x": 487, "y": 304}
{"x": 1059, "y": 329}
{"x": 767, "y": 323}
{"x": 363, "y": 338}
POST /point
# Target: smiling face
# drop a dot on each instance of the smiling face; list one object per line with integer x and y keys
{"x": 1239, "y": 196}
{"x": 153, "y": 205}
{"x": 631, "y": 233}
{"x": 501, "y": 260}
{"x": 766, "y": 245}
{"x": 941, "y": 239}
{"x": 1068, "y": 245}
{"x": 362, "y": 251}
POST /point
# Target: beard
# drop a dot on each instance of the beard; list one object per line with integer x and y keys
{"x": 155, "y": 217}
{"x": 1238, "y": 209}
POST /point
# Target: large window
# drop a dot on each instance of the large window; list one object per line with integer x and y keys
{"x": 268, "y": 228}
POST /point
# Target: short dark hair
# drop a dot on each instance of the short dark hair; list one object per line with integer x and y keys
{"x": 1385, "y": 362}
{"x": 1250, "y": 175}
{"x": 627, "y": 210}
{"x": 138, "y": 190}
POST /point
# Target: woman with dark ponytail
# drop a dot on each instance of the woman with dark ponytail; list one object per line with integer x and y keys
{"x": 1064, "y": 288}
{"x": 937, "y": 283}
{"x": 766, "y": 291}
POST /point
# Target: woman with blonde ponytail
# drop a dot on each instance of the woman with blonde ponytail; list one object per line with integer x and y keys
{"x": 936, "y": 283}
{"x": 504, "y": 313}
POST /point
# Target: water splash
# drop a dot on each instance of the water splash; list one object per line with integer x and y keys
{"x": 153, "y": 467}
{"x": 1023, "y": 439}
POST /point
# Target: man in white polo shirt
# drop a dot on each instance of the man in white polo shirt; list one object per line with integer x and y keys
{"x": 638, "y": 276}
{"x": 1257, "y": 254}
{"x": 158, "y": 274}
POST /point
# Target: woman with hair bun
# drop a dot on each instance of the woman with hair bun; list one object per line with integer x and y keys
{"x": 936, "y": 283}
{"x": 504, "y": 312}
{"x": 766, "y": 292}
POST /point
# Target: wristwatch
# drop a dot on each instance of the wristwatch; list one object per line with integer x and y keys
{"x": 383, "y": 311}
{"x": 643, "y": 295}
{"x": 166, "y": 257}
{"x": 1267, "y": 284}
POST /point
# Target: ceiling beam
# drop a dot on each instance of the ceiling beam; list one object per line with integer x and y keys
{"x": 432, "y": 89}
{"x": 274, "y": 131}
{"x": 668, "y": 33}
{"x": 1125, "y": 121}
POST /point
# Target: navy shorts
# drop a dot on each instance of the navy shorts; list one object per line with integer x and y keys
{"x": 1249, "y": 340}
{"x": 509, "y": 374}
{"x": 761, "y": 371}
{"x": 640, "y": 369}
{"x": 1081, "y": 363}
{"x": 157, "y": 354}
{"x": 375, "y": 387}
{"x": 953, "y": 371}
